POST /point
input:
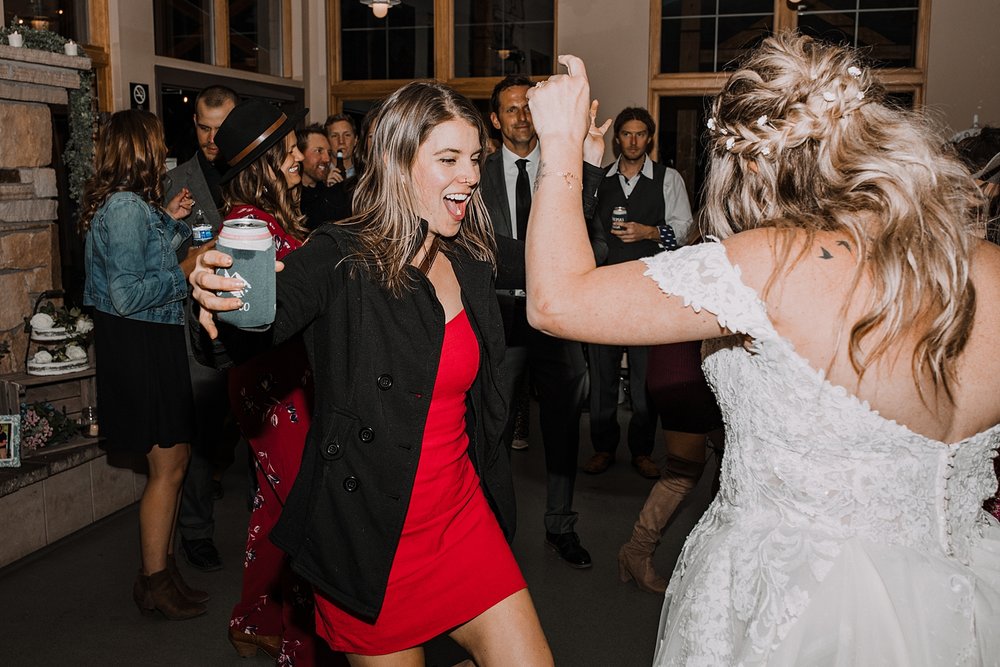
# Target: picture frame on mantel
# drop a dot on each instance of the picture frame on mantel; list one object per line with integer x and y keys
{"x": 10, "y": 441}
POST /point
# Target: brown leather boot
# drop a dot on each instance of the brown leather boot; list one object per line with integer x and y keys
{"x": 247, "y": 643}
{"x": 192, "y": 594}
{"x": 143, "y": 598}
{"x": 635, "y": 558}
{"x": 167, "y": 600}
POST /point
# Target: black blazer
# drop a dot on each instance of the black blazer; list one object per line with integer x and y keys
{"x": 495, "y": 196}
{"x": 375, "y": 358}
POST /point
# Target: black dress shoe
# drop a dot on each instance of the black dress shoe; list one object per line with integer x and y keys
{"x": 201, "y": 554}
{"x": 567, "y": 545}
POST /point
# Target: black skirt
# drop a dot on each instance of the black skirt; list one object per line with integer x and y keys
{"x": 143, "y": 384}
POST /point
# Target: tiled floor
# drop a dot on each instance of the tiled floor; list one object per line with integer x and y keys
{"x": 70, "y": 604}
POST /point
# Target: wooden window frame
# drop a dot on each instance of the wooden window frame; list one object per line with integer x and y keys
{"x": 342, "y": 90}
{"x": 903, "y": 79}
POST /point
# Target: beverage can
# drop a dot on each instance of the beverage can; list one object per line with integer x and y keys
{"x": 249, "y": 243}
{"x": 619, "y": 214}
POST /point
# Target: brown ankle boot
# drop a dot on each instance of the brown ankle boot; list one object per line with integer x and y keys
{"x": 168, "y": 600}
{"x": 192, "y": 594}
{"x": 635, "y": 559}
{"x": 247, "y": 643}
{"x": 143, "y": 598}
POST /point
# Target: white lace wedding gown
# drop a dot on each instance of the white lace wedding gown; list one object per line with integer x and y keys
{"x": 838, "y": 537}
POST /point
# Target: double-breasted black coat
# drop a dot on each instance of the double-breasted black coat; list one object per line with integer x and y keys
{"x": 375, "y": 358}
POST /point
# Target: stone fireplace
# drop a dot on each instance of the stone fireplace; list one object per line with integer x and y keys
{"x": 30, "y": 82}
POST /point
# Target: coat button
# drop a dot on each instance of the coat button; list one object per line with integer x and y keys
{"x": 351, "y": 484}
{"x": 333, "y": 449}
{"x": 384, "y": 382}
{"x": 367, "y": 434}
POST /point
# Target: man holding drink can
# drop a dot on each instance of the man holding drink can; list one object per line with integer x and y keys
{"x": 646, "y": 210}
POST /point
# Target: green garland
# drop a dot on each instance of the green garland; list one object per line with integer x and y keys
{"x": 78, "y": 155}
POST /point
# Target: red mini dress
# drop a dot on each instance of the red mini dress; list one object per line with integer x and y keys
{"x": 453, "y": 562}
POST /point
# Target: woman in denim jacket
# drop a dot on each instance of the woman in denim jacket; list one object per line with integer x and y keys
{"x": 137, "y": 291}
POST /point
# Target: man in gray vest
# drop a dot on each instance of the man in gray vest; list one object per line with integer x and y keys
{"x": 200, "y": 176}
{"x": 657, "y": 217}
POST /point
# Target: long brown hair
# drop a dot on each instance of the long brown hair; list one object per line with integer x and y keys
{"x": 801, "y": 137}
{"x": 262, "y": 184}
{"x": 388, "y": 231}
{"x": 129, "y": 156}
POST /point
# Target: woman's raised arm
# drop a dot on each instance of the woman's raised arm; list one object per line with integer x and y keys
{"x": 568, "y": 296}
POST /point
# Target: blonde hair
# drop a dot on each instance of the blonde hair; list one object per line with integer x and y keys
{"x": 829, "y": 154}
{"x": 388, "y": 232}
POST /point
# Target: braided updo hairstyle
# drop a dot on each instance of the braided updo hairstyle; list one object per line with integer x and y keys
{"x": 801, "y": 137}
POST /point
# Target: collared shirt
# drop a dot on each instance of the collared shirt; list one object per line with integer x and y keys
{"x": 676, "y": 208}
{"x": 510, "y": 159}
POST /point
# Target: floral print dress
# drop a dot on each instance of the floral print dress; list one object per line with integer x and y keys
{"x": 271, "y": 396}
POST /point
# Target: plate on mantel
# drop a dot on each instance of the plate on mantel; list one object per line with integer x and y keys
{"x": 49, "y": 335}
{"x": 57, "y": 367}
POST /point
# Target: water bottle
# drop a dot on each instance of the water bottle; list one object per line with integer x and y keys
{"x": 340, "y": 164}
{"x": 201, "y": 231}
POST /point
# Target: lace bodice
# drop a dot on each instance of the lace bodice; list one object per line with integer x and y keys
{"x": 808, "y": 466}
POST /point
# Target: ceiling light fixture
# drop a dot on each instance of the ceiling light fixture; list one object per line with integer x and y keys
{"x": 380, "y": 7}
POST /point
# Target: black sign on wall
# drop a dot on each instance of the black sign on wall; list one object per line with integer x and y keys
{"x": 139, "y": 95}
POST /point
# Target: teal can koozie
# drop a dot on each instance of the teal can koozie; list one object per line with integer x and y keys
{"x": 249, "y": 243}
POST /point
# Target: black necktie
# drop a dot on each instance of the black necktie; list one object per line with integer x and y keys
{"x": 522, "y": 198}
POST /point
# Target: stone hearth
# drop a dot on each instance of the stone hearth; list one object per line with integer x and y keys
{"x": 30, "y": 81}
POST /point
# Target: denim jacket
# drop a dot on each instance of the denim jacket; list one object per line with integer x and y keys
{"x": 131, "y": 265}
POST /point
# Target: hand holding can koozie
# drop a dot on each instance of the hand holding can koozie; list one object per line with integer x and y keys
{"x": 249, "y": 243}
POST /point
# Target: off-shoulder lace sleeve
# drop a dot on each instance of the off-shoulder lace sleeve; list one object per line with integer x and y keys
{"x": 702, "y": 276}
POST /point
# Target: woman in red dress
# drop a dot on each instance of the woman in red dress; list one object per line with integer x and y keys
{"x": 271, "y": 394}
{"x": 399, "y": 513}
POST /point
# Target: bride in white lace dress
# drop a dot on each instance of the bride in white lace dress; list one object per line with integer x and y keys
{"x": 859, "y": 386}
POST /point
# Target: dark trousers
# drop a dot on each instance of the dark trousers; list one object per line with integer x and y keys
{"x": 195, "y": 518}
{"x": 605, "y": 372}
{"x": 557, "y": 371}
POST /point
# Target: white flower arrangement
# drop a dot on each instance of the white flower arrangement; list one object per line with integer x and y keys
{"x": 75, "y": 352}
{"x": 42, "y": 357}
{"x": 42, "y": 321}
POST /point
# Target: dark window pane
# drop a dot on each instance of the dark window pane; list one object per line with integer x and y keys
{"x": 497, "y": 37}
{"x": 495, "y": 50}
{"x": 363, "y": 55}
{"x": 706, "y": 36}
{"x": 903, "y": 99}
{"x": 400, "y": 46}
{"x": 864, "y": 5}
{"x": 255, "y": 36}
{"x": 411, "y": 53}
{"x": 680, "y": 140}
{"x": 888, "y": 37}
{"x": 678, "y": 8}
{"x": 183, "y": 29}
{"x": 63, "y": 17}
{"x": 502, "y": 11}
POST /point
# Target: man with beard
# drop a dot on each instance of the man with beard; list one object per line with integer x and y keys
{"x": 658, "y": 217}
{"x": 318, "y": 201}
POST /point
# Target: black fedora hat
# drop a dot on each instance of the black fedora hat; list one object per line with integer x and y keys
{"x": 252, "y": 127}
